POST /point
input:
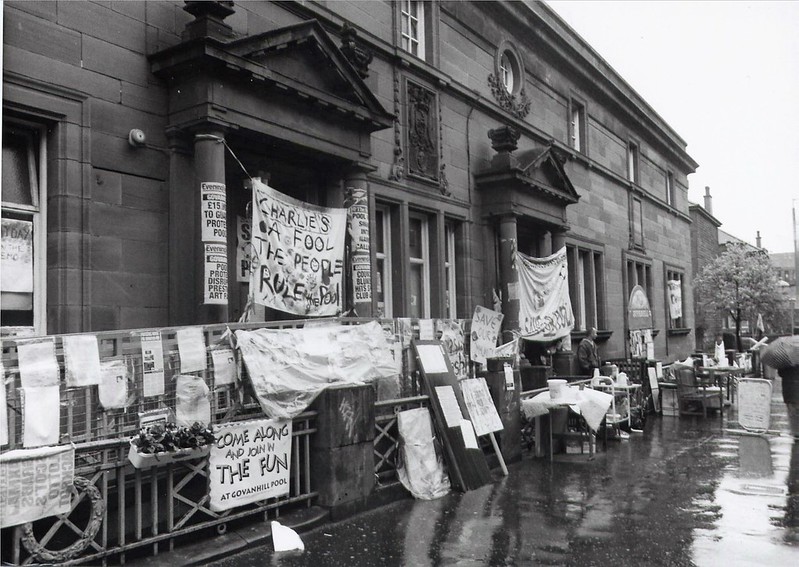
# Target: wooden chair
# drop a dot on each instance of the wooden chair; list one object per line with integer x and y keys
{"x": 693, "y": 394}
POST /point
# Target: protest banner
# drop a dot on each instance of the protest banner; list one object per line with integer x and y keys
{"x": 215, "y": 274}
{"x": 82, "y": 360}
{"x": 297, "y": 254}
{"x": 16, "y": 266}
{"x": 35, "y": 484}
{"x": 545, "y": 310}
{"x": 152, "y": 363}
{"x": 243, "y": 237}
{"x": 485, "y": 329}
{"x": 213, "y": 212}
{"x": 249, "y": 462}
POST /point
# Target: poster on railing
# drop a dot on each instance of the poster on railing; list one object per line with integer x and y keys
{"x": 225, "y": 371}
{"x": 38, "y": 366}
{"x": 152, "y": 353}
{"x": 250, "y": 461}
{"x": 191, "y": 347}
{"x": 485, "y": 329}
{"x": 192, "y": 400}
{"x": 113, "y": 388}
{"x": 297, "y": 254}
{"x": 41, "y": 416}
{"x": 545, "y": 310}
{"x": 35, "y": 483}
{"x": 82, "y": 360}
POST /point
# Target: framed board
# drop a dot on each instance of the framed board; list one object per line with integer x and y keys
{"x": 754, "y": 404}
{"x": 480, "y": 405}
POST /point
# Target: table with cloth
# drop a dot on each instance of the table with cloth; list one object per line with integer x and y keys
{"x": 592, "y": 405}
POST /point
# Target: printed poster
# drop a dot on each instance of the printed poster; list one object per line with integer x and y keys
{"x": 225, "y": 371}
{"x": 545, "y": 310}
{"x": 213, "y": 213}
{"x": 82, "y": 360}
{"x": 16, "y": 266}
{"x": 41, "y": 416}
{"x": 358, "y": 226}
{"x": 249, "y": 462}
{"x": 480, "y": 405}
{"x": 215, "y": 274}
{"x": 113, "y": 387}
{"x": 486, "y": 325}
{"x": 243, "y": 236}
{"x": 38, "y": 366}
{"x": 35, "y": 484}
{"x": 192, "y": 400}
{"x": 152, "y": 351}
{"x": 297, "y": 254}
{"x": 191, "y": 347}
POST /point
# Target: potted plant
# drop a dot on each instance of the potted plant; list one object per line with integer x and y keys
{"x": 160, "y": 444}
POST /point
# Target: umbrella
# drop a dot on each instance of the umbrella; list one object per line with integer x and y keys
{"x": 783, "y": 353}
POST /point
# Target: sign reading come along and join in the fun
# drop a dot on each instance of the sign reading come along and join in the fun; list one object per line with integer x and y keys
{"x": 297, "y": 254}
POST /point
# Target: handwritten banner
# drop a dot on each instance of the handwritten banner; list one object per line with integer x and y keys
{"x": 16, "y": 267}
{"x": 297, "y": 254}
{"x": 249, "y": 462}
{"x": 485, "y": 329}
{"x": 35, "y": 483}
{"x": 545, "y": 310}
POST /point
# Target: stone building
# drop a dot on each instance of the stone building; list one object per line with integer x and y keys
{"x": 476, "y": 129}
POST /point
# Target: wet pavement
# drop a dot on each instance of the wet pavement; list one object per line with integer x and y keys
{"x": 686, "y": 491}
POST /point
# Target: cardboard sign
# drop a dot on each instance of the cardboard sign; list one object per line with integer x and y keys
{"x": 485, "y": 329}
{"x": 213, "y": 212}
{"x": 480, "y": 405}
{"x": 35, "y": 483}
{"x": 297, "y": 254}
{"x": 249, "y": 462}
{"x": 754, "y": 404}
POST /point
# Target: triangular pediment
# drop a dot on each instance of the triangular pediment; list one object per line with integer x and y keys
{"x": 305, "y": 56}
{"x": 544, "y": 170}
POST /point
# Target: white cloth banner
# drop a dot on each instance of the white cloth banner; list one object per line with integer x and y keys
{"x": 250, "y": 461}
{"x": 297, "y": 254}
{"x": 35, "y": 483}
{"x": 675, "y": 299}
{"x": 545, "y": 310}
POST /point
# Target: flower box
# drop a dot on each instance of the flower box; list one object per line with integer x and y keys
{"x": 147, "y": 460}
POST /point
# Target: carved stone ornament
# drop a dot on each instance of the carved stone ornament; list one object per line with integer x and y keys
{"x": 423, "y": 158}
{"x": 518, "y": 106}
{"x": 355, "y": 54}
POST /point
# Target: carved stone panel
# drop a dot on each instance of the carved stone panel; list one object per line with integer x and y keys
{"x": 423, "y": 135}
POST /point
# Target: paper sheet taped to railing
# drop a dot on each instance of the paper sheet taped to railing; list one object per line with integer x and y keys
{"x": 35, "y": 483}
{"x": 545, "y": 310}
{"x": 297, "y": 254}
{"x": 249, "y": 461}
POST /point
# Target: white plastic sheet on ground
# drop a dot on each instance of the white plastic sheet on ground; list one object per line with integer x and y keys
{"x": 288, "y": 368}
{"x": 422, "y": 472}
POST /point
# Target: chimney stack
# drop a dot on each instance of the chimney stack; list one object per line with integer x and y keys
{"x": 708, "y": 200}
{"x": 757, "y": 240}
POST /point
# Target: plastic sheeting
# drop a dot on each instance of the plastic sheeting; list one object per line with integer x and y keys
{"x": 288, "y": 368}
{"x": 422, "y": 472}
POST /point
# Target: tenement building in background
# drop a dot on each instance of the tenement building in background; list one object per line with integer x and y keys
{"x": 461, "y": 131}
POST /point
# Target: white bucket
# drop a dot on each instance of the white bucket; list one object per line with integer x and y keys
{"x": 556, "y": 388}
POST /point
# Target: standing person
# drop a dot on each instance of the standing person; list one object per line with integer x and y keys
{"x": 587, "y": 355}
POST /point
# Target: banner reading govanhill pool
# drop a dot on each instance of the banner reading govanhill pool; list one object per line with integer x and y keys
{"x": 297, "y": 254}
{"x": 249, "y": 461}
{"x": 545, "y": 311}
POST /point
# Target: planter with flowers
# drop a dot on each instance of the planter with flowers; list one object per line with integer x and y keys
{"x": 160, "y": 444}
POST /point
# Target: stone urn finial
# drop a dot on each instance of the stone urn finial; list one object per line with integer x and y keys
{"x": 504, "y": 140}
{"x": 209, "y": 19}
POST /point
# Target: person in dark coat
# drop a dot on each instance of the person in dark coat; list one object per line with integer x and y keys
{"x": 587, "y": 354}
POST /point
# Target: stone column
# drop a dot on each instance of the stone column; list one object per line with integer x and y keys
{"x": 359, "y": 261}
{"x": 545, "y": 244}
{"x": 509, "y": 276}
{"x": 558, "y": 240}
{"x": 211, "y": 236}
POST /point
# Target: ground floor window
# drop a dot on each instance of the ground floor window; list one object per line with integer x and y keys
{"x": 586, "y": 286}
{"x": 450, "y": 276}
{"x": 22, "y": 272}
{"x": 384, "y": 283}
{"x": 419, "y": 256}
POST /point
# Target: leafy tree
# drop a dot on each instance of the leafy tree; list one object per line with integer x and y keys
{"x": 740, "y": 283}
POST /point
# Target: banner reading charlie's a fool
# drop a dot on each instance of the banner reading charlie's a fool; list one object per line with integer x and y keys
{"x": 249, "y": 461}
{"x": 297, "y": 254}
{"x": 545, "y": 310}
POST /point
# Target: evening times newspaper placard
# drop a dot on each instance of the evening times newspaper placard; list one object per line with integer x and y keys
{"x": 249, "y": 462}
{"x": 297, "y": 254}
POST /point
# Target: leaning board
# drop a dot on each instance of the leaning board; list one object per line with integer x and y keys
{"x": 754, "y": 404}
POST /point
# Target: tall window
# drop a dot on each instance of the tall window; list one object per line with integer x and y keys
{"x": 675, "y": 304}
{"x": 632, "y": 162}
{"x": 419, "y": 253}
{"x": 586, "y": 287}
{"x": 577, "y": 126}
{"x": 382, "y": 242}
{"x": 412, "y": 16}
{"x": 670, "y": 189}
{"x": 638, "y": 273}
{"x": 22, "y": 273}
{"x": 638, "y": 223}
{"x": 449, "y": 271}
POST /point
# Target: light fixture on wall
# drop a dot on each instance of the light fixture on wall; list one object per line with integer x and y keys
{"x": 136, "y": 138}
